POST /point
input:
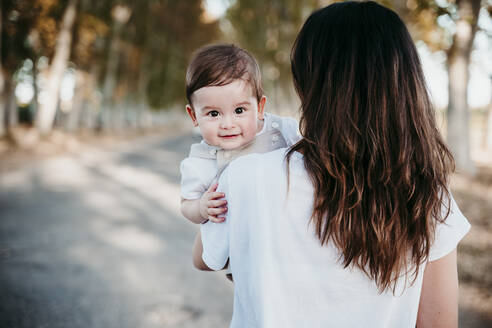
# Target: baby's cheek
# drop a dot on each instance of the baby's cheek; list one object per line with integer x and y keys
{"x": 209, "y": 136}
{"x": 252, "y": 129}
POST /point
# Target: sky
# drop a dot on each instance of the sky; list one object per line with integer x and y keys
{"x": 216, "y": 8}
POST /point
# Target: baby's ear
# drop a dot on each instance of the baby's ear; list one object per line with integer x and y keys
{"x": 261, "y": 108}
{"x": 192, "y": 114}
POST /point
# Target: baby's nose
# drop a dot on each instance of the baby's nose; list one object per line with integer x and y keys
{"x": 227, "y": 123}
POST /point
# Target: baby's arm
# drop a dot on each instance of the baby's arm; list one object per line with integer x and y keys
{"x": 208, "y": 207}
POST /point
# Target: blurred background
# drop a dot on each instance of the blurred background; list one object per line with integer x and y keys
{"x": 93, "y": 128}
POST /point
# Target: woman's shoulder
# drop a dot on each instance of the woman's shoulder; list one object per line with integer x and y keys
{"x": 449, "y": 233}
{"x": 269, "y": 158}
{"x": 269, "y": 166}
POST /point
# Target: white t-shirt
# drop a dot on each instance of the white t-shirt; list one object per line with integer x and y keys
{"x": 282, "y": 276}
{"x": 197, "y": 174}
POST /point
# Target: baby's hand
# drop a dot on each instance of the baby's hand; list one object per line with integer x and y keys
{"x": 212, "y": 204}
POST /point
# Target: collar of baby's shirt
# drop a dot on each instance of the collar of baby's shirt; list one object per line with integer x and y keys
{"x": 209, "y": 147}
{"x": 266, "y": 119}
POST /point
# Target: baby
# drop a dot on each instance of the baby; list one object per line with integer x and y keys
{"x": 226, "y": 102}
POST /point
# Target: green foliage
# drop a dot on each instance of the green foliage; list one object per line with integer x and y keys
{"x": 434, "y": 22}
{"x": 18, "y": 17}
{"x": 268, "y": 29}
{"x": 166, "y": 33}
{"x": 154, "y": 44}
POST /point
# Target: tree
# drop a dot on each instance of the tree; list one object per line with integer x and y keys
{"x": 2, "y": 81}
{"x": 268, "y": 29}
{"x": 423, "y": 18}
{"x": 88, "y": 58}
{"x": 488, "y": 125}
{"x": 133, "y": 67}
{"x": 458, "y": 60}
{"x": 47, "y": 110}
{"x": 16, "y": 19}
{"x": 168, "y": 46}
{"x": 120, "y": 15}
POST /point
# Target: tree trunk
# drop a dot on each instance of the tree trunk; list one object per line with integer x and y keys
{"x": 458, "y": 60}
{"x": 11, "y": 105}
{"x": 107, "y": 115}
{"x": 35, "y": 102}
{"x": 488, "y": 126}
{"x": 3, "y": 130}
{"x": 47, "y": 110}
{"x": 143, "y": 82}
{"x": 73, "y": 119}
{"x": 3, "y": 104}
{"x": 91, "y": 104}
{"x": 2, "y": 84}
{"x": 488, "y": 129}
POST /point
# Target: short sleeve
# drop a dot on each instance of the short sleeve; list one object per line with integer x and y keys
{"x": 449, "y": 233}
{"x": 290, "y": 130}
{"x": 192, "y": 184}
{"x": 215, "y": 236}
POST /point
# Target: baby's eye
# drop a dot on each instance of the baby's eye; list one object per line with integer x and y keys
{"x": 213, "y": 113}
{"x": 239, "y": 110}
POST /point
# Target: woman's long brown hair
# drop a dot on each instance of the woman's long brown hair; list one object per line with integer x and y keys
{"x": 370, "y": 141}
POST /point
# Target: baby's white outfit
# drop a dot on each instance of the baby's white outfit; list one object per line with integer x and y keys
{"x": 205, "y": 163}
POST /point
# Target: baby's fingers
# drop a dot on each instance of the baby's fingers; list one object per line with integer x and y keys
{"x": 213, "y": 187}
{"x": 216, "y": 203}
{"x": 216, "y": 219}
{"x": 216, "y": 211}
{"x": 216, "y": 195}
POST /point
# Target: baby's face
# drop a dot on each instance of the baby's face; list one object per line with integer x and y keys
{"x": 228, "y": 116}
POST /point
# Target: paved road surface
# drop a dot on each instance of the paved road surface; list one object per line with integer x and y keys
{"x": 95, "y": 240}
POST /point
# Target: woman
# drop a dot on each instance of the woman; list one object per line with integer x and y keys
{"x": 354, "y": 225}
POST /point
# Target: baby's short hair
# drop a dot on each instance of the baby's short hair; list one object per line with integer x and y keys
{"x": 221, "y": 64}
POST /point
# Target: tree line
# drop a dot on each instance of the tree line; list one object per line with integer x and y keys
{"x": 269, "y": 27}
{"x": 127, "y": 59}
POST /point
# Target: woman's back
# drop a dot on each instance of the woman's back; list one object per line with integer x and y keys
{"x": 283, "y": 276}
{"x": 344, "y": 240}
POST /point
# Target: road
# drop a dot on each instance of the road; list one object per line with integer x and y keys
{"x": 96, "y": 240}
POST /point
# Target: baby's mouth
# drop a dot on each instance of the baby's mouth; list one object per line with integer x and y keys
{"x": 230, "y": 136}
